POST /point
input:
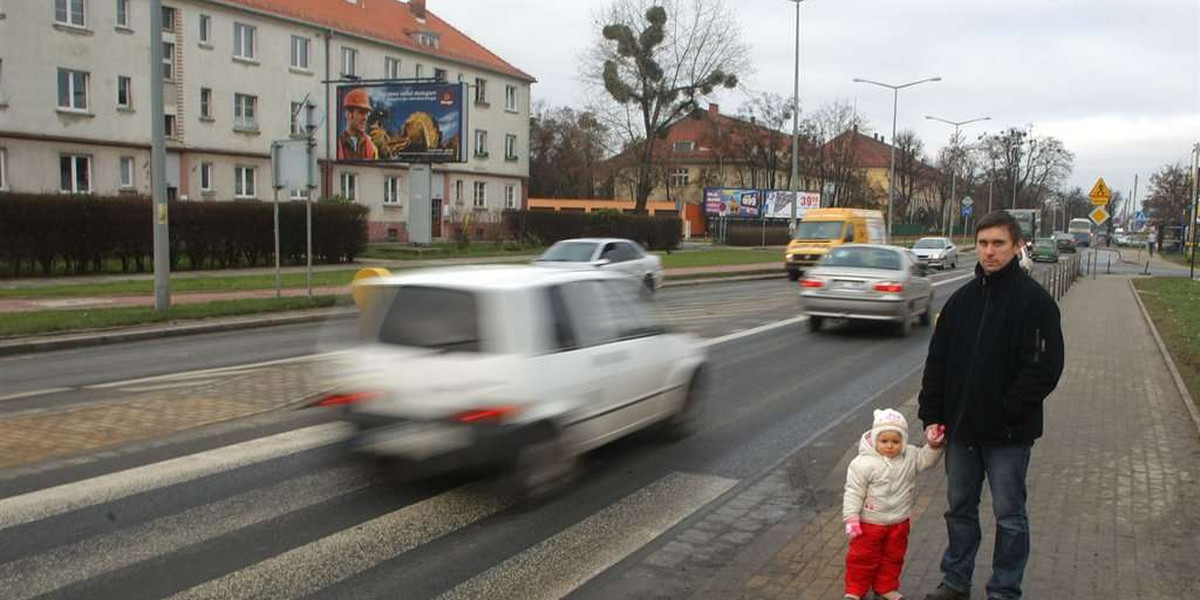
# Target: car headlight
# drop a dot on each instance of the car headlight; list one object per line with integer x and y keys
{"x": 790, "y": 256}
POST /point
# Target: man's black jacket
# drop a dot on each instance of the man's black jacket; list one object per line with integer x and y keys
{"x": 996, "y": 353}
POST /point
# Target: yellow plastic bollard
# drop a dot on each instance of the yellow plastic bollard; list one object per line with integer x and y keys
{"x": 360, "y": 292}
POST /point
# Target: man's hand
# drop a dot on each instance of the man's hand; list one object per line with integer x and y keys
{"x": 853, "y": 527}
{"x": 936, "y": 435}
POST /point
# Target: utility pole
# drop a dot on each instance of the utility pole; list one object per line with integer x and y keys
{"x": 954, "y": 207}
{"x": 795, "y": 179}
{"x": 1195, "y": 207}
{"x": 158, "y": 165}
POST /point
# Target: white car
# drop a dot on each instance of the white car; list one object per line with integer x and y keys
{"x": 1025, "y": 260}
{"x": 606, "y": 254}
{"x": 938, "y": 252}
{"x": 510, "y": 365}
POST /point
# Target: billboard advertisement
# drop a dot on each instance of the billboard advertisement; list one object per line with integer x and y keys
{"x": 402, "y": 122}
{"x": 779, "y": 203}
{"x": 732, "y": 202}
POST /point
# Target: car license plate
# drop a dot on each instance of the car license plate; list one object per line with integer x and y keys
{"x": 847, "y": 285}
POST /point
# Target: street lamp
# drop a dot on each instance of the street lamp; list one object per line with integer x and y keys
{"x": 954, "y": 168}
{"x": 794, "y": 180}
{"x": 892, "y": 169}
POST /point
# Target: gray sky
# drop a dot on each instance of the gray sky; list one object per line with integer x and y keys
{"x": 1117, "y": 81}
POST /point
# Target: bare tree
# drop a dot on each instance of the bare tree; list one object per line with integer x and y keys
{"x": 1170, "y": 193}
{"x": 757, "y": 139}
{"x": 1030, "y": 168}
{"x": 831, "y": 153}
{"x": 565, "y": 148}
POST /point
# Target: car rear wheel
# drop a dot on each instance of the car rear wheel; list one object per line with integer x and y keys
{"x": 927, "y": 316}
{"x": 648, "y": 284}
{"x": 683, "y": 423}
{"x": 814, "y": 323}
{"x": 793, "y": 275}
{"x": 904, "y": 327}
{"x": 543, "y": 468}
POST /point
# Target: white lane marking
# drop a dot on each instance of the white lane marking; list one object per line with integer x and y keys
{"x": 67, "y": 565}
{"x": 40, "y": 504}
{"x": 35, "y": 393}
{"x": 319, "y": 564}
{"x": 167, "y": 386}
{"x": 560, "y": 564}
{"x": 214, "y": 371}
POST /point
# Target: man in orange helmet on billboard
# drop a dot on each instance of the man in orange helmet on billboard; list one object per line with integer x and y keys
{"x": 353, "y": 142}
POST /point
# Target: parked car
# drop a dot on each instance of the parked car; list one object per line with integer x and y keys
{"x": 1065, "y": 242}
{"x": 607, "y": 254}
{"x": 513, "y": 366}
{"x": 870, "y": 283}
{"x": 938, "y": 252}
{"x": 1045, "y": 250}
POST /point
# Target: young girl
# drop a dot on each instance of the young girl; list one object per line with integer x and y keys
{"x": 880, "y": 492}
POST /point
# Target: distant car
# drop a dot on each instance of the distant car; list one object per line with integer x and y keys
{"x": 870, "y": 283}
{"x": 509, "y": 366}
{"x": 937, "y": 252}
{"x": 1065, "y": 242}
{"x": 1045, "y": 250}
{"x": 625, "y": 257}
{"x": 1082, "y": 238}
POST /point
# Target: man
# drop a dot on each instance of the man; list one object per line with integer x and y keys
{"x": 354, "y": 143}
{"x": 996, "y": 353}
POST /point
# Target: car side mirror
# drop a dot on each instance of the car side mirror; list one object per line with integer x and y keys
{"x": 601, "y": 262}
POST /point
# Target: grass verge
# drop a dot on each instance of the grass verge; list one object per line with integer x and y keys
{"x": 57, "y": 321}
{"x": 1174, "y": 305}
{"x": 398, "y": 251}
{"x": 224, "y": 283}
{"x": 719, "y": 257}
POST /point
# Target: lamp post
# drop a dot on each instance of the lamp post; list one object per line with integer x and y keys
{"x": 1195, "y": 207}
{"x": 954, "y": 168}
{"x": 892, "y": 168}
{"x": 794, "y": 180}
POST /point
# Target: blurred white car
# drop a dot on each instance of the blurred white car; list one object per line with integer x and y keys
{"x": 510, "y": 366}
{"x": 606, "y": 254}
{"x": 938, "y": 252}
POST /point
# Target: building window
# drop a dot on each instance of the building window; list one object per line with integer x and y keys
{"x": 300, "y": 52}
{"x": 480, "y": 143}
{"x": 684, "y": 146}
{"x": 3, "y": 168}
{"x": 205, "y": 29}
{"x": 75, "y": 173}
{"x": 480, "y": 198}
{"x": 243, "y": 182}
{"x": 126, "y": 174}
{"x": 69, "y": 12}
{"x": 391, "y": 68}
{"x": 243, "y": 41}
{"x": 349, "y": 186}
{"x": 168, "y": 61}
{"x": 206, "y": 179}
{"x": 458, "y": 191}
{"x": 297, "y": 115}
{"x": 510, "y": 196}
{"x": 299, "y": 195}
{"x": 418, "y": 71}
{"x": 679, "y": 177}
{"x": 168, "y": 18}
{"x": 440, "y": 74}
{"x": 349, "y": 62}
{"x": 427, "y": 39}
{"x": 244, "y": 110}
{"x": 510, "y": 98}
{"x": 205, "y": 103}
{"x": 123, "y": 14}
{"x": 124, "y": 92}
{"x": 391, "y": 190}
{"x": 72, "y": 89}
{"x": 510, "y": 147}
{"x": 169, "y": 125}
{"x": 480, "y": 91}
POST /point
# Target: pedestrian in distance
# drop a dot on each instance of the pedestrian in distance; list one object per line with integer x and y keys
{"x": 880, "y": 491}
{"x": 996, "y": 354}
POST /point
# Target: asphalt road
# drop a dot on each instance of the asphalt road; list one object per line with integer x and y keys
{"x": 280, "y": 510}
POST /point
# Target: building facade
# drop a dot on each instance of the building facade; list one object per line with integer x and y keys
{"x": 75, "y": 100}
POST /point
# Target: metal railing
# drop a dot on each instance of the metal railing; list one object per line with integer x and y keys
{"x": 1058, "y": 277}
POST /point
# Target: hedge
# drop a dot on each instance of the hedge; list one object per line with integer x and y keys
{"x": 56, "y": 233}
{"x": 547, "y": 227}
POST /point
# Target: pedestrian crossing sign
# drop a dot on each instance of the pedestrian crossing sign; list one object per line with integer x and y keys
{"x": 1100, "y": 193}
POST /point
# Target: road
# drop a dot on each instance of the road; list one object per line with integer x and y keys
{"x": 277, "y": 509}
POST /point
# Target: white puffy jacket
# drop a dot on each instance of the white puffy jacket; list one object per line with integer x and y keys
{"x": 882, "y": 490}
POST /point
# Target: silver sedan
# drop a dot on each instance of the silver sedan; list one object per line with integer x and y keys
{"x": 870, "y": 283}
{"x": 937, "y": 252}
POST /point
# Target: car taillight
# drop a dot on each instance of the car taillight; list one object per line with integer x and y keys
{"x": 890, "y": 288}
{"x": 812, "y": 283}
{"x": 351, "y": 398}
{"x": 493, "y": 414}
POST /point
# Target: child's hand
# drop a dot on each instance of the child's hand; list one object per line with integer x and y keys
{"x": 936, "y": 435}
{"x": 853, "y": 527}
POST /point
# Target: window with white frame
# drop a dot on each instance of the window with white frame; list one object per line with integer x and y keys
{"x": 123, "y": 14}
{"x": 679, "y": 177}
{"x": 206, "y": 177}
{"x": 458, "y": 191}
{"x": 391, "y": 190}
{"x": 391, "y": 68}
{"x": 168, "y": 18}
{"x": 124, "y": 92}
{"x": 126, "y": 172}
{"x": 480, "y": 197}
{"x": 349, "y": 62}
{"x": 70, "y": 12}
{"x": 480, "y": 90}
{"x": 168, "y": 59}
{"x": 418, "y": 71}
{"x": 3, "y": 168}
{"x": 205, "y": 29}
{"x": 244, "y": 110}
{"x": 206, "y": 103}
{"x": 300, "y": 52}
{"x": 243, "y": 182}
{"x": 169, "y": 124}
{"x": 510, "y": 98}
{"x": 297, "y": 119}
{"x": 510, "y": 147}
{"x": 510, "y": 196}
{"x": 75, "y": 173}
{"x": 481, "y": 143}
{"x": 684, "y": 146}
{"x": 440, "y": 74}
{"x": 243, "y": 41}
{"x": 349, "y": 186}
{"x": 73, "y": 89}
{"x": 299, "y": 194}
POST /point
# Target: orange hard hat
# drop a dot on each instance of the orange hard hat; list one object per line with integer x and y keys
{"x": 357, "y": 98}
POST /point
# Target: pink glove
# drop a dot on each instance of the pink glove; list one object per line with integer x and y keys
{"x": 936, "y": 434}
{"x": 853, "y": 527}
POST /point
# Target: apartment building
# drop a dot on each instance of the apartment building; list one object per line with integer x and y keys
{"x": 75, "y": 100}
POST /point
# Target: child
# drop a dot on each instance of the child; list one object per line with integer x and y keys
{"x": 880, "y": 492}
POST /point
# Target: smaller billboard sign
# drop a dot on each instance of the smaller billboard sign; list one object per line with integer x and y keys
{"x": 413, "y": 122}
{"x": 779, "y": 203}
{"x": 732, "y": 202}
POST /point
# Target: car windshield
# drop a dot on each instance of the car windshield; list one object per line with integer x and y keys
{"x": 929, "y": 243}
{"x": 429, "y": 317}
{"x": 863, "y": 258}
{"x": 819, "y": 230}
{"x": 569, "y": 252}
{"x": 1045, "y": 244}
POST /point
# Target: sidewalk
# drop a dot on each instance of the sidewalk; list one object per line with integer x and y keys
{"x": 1113, "y": 485}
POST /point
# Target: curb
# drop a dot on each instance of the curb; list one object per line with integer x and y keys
{"x": 1162, "y": 349}
{"x": 751, "y": 276}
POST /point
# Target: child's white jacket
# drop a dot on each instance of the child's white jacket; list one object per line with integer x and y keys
{"x": 882, "y": 490}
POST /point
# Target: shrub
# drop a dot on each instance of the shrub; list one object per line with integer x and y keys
{"x": 547, "y": 227}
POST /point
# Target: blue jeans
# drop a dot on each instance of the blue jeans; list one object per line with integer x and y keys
{"x": 1005, "y": 468}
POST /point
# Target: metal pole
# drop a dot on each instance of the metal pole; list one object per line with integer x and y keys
{"x": 991, "y": 184}
{"x": 892, "y": 168}
{"x": 953, "y": 185}
{"x": 1195, "y": 207}
{"x": 795, "y": 179}
{"x": 278, "y": 276}
{"x": 308, "y": 222}
{"x": 158, "y": 165}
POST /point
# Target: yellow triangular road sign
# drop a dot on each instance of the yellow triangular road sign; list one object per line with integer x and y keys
{"x": 1100, "y": 191}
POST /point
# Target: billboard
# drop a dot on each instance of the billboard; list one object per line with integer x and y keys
{"x": 779, "y": 203}
{"x": 402, "y": 122}
{"x": 732, "y": 202}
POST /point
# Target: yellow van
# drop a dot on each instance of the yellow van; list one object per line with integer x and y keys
{"x": 825, "y": 228}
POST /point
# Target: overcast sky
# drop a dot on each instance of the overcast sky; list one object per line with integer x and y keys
{"x": 1117, "y": 81}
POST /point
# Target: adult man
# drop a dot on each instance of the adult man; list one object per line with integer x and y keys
{"x": 996, "y": 353}
{"x": 353, "y": 142}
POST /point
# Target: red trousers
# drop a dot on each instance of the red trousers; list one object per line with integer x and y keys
{"x": 876, "y": 558}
